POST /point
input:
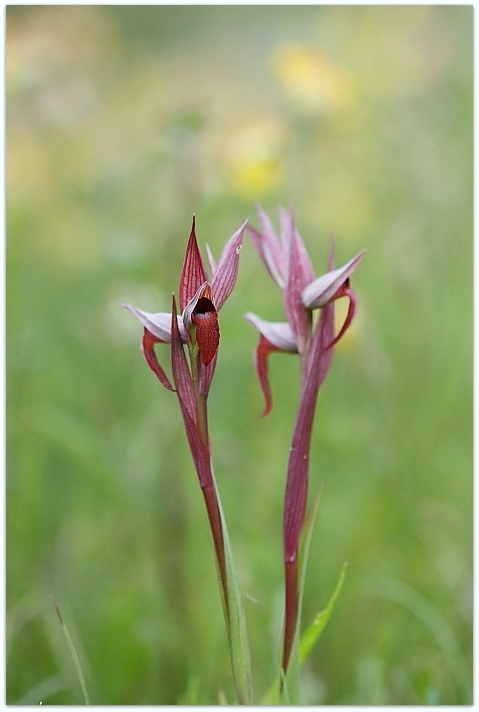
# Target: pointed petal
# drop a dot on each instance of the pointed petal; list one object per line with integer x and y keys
{"x": 211, "y": 259}
{"x": 179, "y": 366}
{"x": 299, "y": 318}
{"x": 321, "y": 290}
{"x": 158, "y": 324}
{"x": 193, "y": 273}
{"x": 278, "y": 333}
{"x": 306, "y": 265}
{"x": 268, "y": 247}
{"x": 288, "y": 232}
{"x": 147, "y": 348}
{"x": 226, "y": 271}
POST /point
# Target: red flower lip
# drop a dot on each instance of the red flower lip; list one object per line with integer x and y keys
{"x": 200, "y": 300}
{"x": 201, "y": 317}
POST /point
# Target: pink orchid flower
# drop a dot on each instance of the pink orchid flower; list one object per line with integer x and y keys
{"x": 200, "y": 301}
{"x": 197, "y": 329}
{"x": 289, "y": 265}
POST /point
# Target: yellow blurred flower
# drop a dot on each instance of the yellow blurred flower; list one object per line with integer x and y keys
{"x": 310, "y": 80}
{"x": 253, "y": 158}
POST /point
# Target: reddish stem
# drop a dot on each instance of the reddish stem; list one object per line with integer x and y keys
{"x": 211, "y": 502}
{"x": 209, "y": 487}
{"x": 314, "y": 366}
{"x": 291, "y": 608}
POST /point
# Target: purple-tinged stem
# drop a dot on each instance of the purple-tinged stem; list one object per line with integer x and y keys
{"x": 294, "y": 512}
{"x": 315, "y": 365}
{"x": 291, "y": 613}
{"x": 210, "y": 496}
{"x": 194, "y": 412}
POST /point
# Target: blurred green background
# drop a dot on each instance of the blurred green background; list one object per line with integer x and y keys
{"x": 121, "y": 122}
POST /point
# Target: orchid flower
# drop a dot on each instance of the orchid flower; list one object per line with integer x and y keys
{"x": 200, "y": 301}
{"x": 289, "y": 265}
{"x": 196, "y": 330}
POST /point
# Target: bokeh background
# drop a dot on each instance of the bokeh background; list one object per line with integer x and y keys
{"x": 121, "y": 122}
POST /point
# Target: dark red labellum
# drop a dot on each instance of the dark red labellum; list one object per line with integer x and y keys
{"x": 205, "y": 318}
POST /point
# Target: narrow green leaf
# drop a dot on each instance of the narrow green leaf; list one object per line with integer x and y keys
{"x": 284, "y": 684}
{"x": 237, "y": 634}
{"x": 46, "y": 688}
{"x": 72, "y": 651}
{"x": 272, "y": 697}
{"x": 305, "y": 542}
{"x": 290, "y": 686}
{"x": 222, "y": 699}
{"x": 433, "y": 620}
{"x": 316, "y": 627}
{"x": 190, "y": 696}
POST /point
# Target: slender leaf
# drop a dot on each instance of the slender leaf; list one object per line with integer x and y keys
{"x": 272, "y": 697}
{"x": 73, "y": 652}
{"x": 190, "y": 696}
{"x": 237, "y": 630}
{"x": 222, "y": 699}
{"x": 316, "y": 627}
{"x": 284, "y": 686}
{"x": 305, "y": 542}
{"x": 43, "y": 690}
{"x": 441, "y": 630}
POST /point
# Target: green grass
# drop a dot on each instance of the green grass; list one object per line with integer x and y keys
{"x": 122, "y": 122}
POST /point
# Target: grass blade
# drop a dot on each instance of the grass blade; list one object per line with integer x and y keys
{"x": 72, "y": 651}
{"x": 316, "y": 627}
{"x": 237, "y": 634}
